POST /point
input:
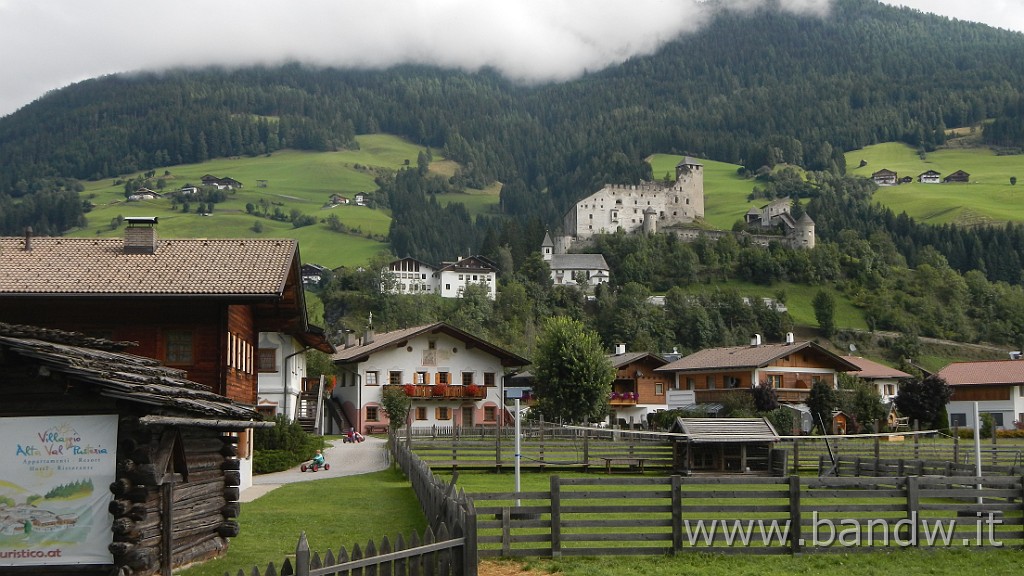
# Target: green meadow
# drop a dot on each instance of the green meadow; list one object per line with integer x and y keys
{"x": 725, "y": 191}
{"x": 988, "y": 198}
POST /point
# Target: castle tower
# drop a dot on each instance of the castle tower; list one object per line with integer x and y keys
{"x": 547, "y": 247}
{"x": 650, "y": 220}
{"x": 803, "y": 234}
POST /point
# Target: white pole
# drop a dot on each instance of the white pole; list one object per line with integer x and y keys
{"x": 977, "y": 447}
{"x": 518, "y": 452}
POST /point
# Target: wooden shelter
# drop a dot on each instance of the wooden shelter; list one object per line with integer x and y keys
{"x": 724, "y": 444}
{"x": 169, "y": 451}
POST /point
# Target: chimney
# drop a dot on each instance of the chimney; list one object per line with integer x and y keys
{"x": 350, "y": 339}
{"x": 756, "y": 340}
{"x": 789, "y": 338}
{"x": 368, "y": 337}
{"x": 140, "y": 235}
{"x": 620, "y": 349}
{"x": 28, "y": 238}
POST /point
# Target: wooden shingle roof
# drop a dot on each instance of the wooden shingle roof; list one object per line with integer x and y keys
{"x": 105, "y": 369}
{"x": 180, "y": 267}
{"x": 726, "y": 429}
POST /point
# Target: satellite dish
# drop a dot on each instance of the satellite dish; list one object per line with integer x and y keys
{"x": 853, "y": 347}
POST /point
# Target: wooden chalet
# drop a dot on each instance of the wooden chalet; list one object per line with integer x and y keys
{"x": 197, "y": 305}
{"x": 929, "y": 177}
{"x": 638, "y": 388}
{"x": 885, "y": 177}
{"x": 958, "y": 176}
{"x": 143, "y": 462}
{"x": 724, "y": 444}
{"x": 791, "y": 368}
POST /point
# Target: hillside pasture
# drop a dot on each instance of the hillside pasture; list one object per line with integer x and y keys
{"x": 295, "y": 180}
{"x": 988, "y": 198}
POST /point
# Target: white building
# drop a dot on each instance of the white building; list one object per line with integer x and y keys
{"x": 624, "y": 205}
{"x": 884, "y": 379}
{"x": 566, "y": 269}
{"x": 453, "y": 377}
{"x": 996, "y": 385}
{"x": 412, "y": 276}
{"x": 281, "y": 366}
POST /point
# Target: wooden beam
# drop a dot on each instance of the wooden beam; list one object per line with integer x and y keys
{"x": 198, "y": 422}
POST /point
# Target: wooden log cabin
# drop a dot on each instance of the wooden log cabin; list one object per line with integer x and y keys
{"x": 117, "y": 462}
{"x": 198, "y": 305}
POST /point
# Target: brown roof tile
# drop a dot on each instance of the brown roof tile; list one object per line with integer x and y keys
{"x": 733, "y": 357}
{"x": 1010, "y": 372}
{"x": 871, "y": 369}
{"x": 100, "y": 266}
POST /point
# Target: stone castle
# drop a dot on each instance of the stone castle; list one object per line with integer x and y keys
{"x": 650, "y": 207}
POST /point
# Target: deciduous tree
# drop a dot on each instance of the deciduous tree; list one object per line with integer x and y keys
{"x": 573, "y": 375}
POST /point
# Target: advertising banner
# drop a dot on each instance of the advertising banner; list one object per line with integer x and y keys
{"x": 55, "y": 473}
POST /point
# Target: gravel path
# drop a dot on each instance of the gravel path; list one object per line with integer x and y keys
{"x": 345, "y": 460}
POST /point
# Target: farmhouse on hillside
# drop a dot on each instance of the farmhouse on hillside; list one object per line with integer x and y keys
{"x": 585, "y": 270}
{"x": 958, "y": 176}
{"x": 885, "y": 380}
{"x": 929, "y": 177}
{"x": 196, "y": 305}
{"x": 412, "y": 276}
{"x": 120, "y": 461}
{"x": 638, "y": 389}
{"x": 452, "y": 377}
{"x": 885, "y": 177}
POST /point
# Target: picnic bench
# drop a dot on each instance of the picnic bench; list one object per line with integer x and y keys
{"x": 376, "y": 428}
{"x": 632, "y": 463}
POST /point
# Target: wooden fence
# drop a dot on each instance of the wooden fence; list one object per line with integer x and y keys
{"x": 741, "y": 514}
{"x": 442, "y": 551}
{"x": 847, "y": 465}
{"x": 807, "y": 451}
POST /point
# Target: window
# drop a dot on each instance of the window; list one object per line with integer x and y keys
{"x": 775, "y": 380}
{"x": 372, "y": 414}
{"x": 997, "y": 418}
{"x": 659, "y": 389}
{"x": 467, "y": 378}
{"x": 490, "y": 413}
{"x": 268, "y": 360}
{"x": 371, "y": 378}
{"x": 431, "y": 344}
{"x": 178, "y": 347}
{"x": 890, "y": 389}
{"x": 691, "y": 384}
{"x": 443, "y": 413}
{"x": 443, "y": 378}
{"x": 421, "y": 378}
{"x": 732, "y": 382}
{"x": 958, "y": 419}
{"x": 421, "y": 412}
{"x": 395, "y": 378}
{"x": 488, "y": 378}
{"x": 710, "y": 380}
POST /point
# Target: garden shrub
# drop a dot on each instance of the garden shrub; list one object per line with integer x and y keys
{"x": 283, "y": 446}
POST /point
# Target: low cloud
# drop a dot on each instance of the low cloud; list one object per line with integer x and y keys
{"x": 49, "y": 44}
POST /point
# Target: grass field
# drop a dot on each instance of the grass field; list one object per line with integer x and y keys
{"x": 988, "y": 198}
{"x": 725, "y": 191}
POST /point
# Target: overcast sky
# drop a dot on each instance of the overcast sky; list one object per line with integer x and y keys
{"x": 48, "y": 44}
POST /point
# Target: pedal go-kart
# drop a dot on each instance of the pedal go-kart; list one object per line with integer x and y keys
{"x": 313, "y": 466}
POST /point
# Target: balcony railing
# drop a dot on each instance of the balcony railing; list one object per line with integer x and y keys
{"x": 786, "y": 395}
{"x": 617, "y": 398}
{"x": 442, "y": 391}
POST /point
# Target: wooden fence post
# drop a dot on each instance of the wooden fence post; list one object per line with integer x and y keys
{"x": 913, "y": 501}
{"x": 796, "y": 456}
{"x": 796, "y": 533}
{"x": 556, "y": 518}
{"x": 586, "y": 449}
{"x": 302, "y": 556}
{"x": 677, "y": 513}
{"x": 956, "y": 443}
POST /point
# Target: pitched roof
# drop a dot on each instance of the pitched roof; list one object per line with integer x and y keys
{"x": 578, "y": 262}
{"x": 620, "y": 360}
{"x": 100, "y": 266}
{"x": 750, "y": 357}
{"x": 870, "y": 369}
{"x": 1006, "y": 372}
{"x": 726, "y": 429}
{"x": 108, "y": 371}
{"x": 394, "y": 338}
{"x": 471, "y": 263}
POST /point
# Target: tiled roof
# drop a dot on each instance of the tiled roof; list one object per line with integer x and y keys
{"x": 389, "y": 339}
{"x": 871, "y": 369}
{"x": 620, "y": 360}
{"x": 578, "y": 262}
{"x": 1009, "y": 372}
{"x": 733, "y": 357}
{"x": 100, "y": 266}
{"x": 98, "y": 364}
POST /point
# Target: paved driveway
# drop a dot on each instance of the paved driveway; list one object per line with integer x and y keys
{"x": 345, "y": 460}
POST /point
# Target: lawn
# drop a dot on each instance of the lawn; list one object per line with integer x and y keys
{"x": 333, "y": 513}
{"x": 988, "y": 198}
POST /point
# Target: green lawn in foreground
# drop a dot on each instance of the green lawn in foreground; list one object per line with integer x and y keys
{"x": 333, "y": 513}
{"x": 988, "y": 198}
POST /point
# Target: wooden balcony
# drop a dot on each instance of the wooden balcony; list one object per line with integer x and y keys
{"x": 784, "y": 395}
{"x": 443, "y": 391}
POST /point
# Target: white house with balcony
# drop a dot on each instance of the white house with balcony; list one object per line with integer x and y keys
{"x": 412, "y": 276}
{"x": 997, "y": 386}
{"x": 281, "y": 366}
{"x": 452, "y": 377}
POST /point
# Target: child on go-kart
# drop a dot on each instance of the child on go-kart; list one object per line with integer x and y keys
{"x": 318, "y": 460}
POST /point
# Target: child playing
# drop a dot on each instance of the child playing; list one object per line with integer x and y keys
{"x": 318, "y": 460}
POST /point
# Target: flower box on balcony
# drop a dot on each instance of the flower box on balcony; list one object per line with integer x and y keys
{"x": 409, "y": 389}
{"x": 473, "y": 391}
{"x": 439, "y": 390}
